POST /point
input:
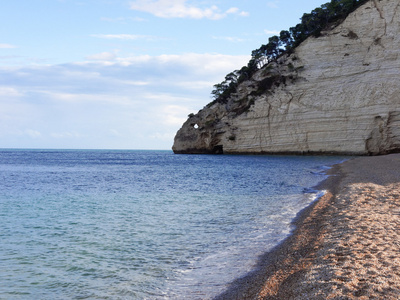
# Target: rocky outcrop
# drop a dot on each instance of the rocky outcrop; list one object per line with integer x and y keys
{"x": 338, "y": 93}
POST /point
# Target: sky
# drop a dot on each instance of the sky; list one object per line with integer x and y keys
{"x": 122, "y": 74}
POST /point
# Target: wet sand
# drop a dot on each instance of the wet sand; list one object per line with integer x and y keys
{"x": 345, "y": 246}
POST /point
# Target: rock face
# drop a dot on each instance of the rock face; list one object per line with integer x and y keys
{"x": 338, "y": 93}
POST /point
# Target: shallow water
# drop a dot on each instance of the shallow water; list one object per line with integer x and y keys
{"x": 142, "y": 224}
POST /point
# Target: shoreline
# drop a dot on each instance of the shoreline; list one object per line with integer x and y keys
{"x": 345, "y": 245}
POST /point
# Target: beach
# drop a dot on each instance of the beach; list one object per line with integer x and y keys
{"x": 346, "y": 245}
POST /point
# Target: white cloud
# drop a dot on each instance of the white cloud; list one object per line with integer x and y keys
{"x": 203, "y": 61}
{"x": 33, "y": 133}
{"x": 102, "y": 56}
{"x": 181, "y": 9}
{"x": 233, "y": 10}
{"x": 273, "y": 4}
{"x": 174, "y": 114}
{"x": 115, "y": 133}
{"x": 88, "y": 98}
{"x": 65, "y": 134}
{"x": 271, "y": 32}
{"x": 125, "y": 36}
{"x": 122, "y": 20}
{"x": 7, "y": 46}
{"x": 229, "y": 39}
{"x": 236, "y": 11}
{"x": 195, "y": 85}
{"x": 163, "y": 136}
{"x": 168, "y": 66}
{"x": 6, "y": 91}
{"x": 135, "y": 83}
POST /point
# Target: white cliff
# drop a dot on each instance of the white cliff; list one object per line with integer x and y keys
{"x": 338, "y": 93}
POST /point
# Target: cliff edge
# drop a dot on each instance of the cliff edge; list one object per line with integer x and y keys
{"x": 337, "y": 94}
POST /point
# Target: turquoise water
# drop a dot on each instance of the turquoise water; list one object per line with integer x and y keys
{"x": 142, "y": 224}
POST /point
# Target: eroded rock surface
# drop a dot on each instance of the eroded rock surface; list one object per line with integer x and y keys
{"x": 338, "y": 93}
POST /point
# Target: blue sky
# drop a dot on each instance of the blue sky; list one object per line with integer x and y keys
{"x": 122, "y": 74}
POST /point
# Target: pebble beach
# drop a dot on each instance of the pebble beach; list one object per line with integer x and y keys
{"x": 346, "y": 245}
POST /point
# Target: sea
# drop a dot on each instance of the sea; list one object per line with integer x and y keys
{"x": 111, "y": 224}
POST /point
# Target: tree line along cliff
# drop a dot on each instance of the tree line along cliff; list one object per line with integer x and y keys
{"x": 311, "y": 24}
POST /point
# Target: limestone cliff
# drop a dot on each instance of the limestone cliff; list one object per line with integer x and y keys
{"x": 338, "y": 93}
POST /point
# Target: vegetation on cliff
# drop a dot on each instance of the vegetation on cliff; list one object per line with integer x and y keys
{"x": 331, "y": 13}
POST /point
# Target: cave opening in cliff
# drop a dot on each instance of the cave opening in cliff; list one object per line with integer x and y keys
{"x": 219, "y": 149}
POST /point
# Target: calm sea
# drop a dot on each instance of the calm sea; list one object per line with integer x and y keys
{"x": 142, "y": 224}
